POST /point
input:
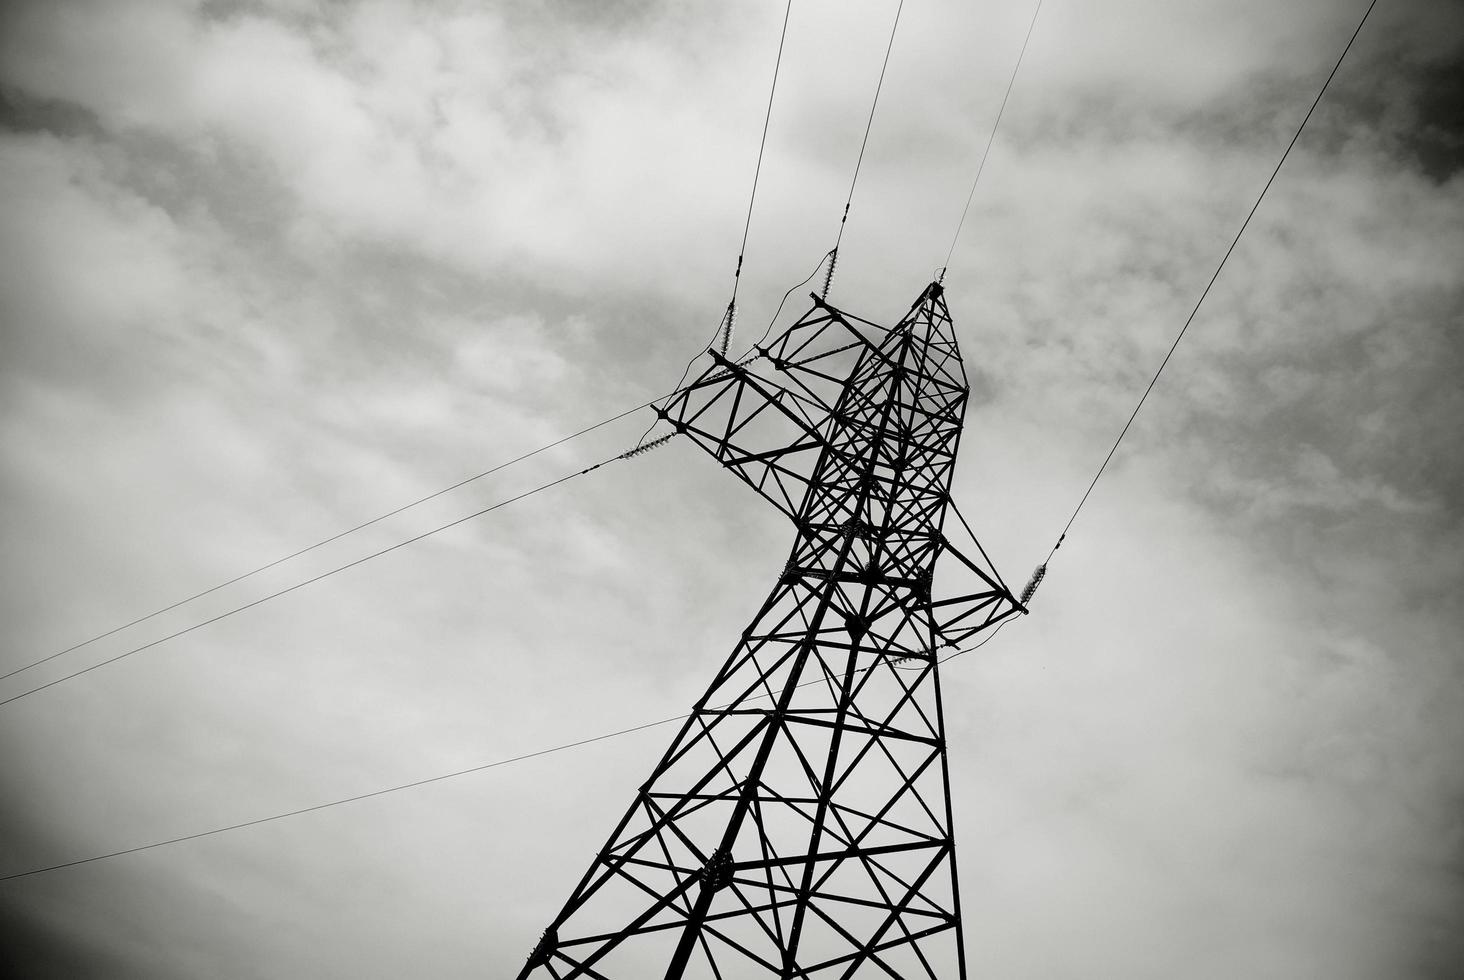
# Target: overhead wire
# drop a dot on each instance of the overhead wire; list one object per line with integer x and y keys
{"x": 641, "y": 447}
{"x": 333, "y": 803}
{"x": 334, "y": 537}
{"x": 761, "y": 146}
{"x": 414, "y": 784}
{"x": 991, "y": 138}
{"x": 772, "y": 321}
{"x": 721, "y": 324}
{"x": 833, "y": 255}
{"x": 310, "y": 581}
{"x": 729, "y": 318}
{"x": 1206, "y": 291}
{"x": 485, "y": 473}
{"x": 502, "y": 762}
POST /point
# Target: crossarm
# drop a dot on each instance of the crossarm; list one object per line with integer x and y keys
{"x": 766, "y": 417}
{"x": 960, "y": 617}
{"x": 767, "y": 435}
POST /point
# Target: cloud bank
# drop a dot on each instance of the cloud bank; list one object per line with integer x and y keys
{"x": 272, "y": 268}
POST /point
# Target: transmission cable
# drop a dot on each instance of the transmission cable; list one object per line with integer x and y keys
{"x": 641, "y": 444}
{"x": 341, "y": 568}
{"x": 665, "y": 721}
{"x": 334, "y": 537}
{"x": 436, "y": 779}
{"x": 726, "y": 325}
{"x": 772, "y": 321}
{"x": 729, "y": 319}
{"x": 868, "y": 125}
{"x": 990, "y": 139}
{"x": 351, "y": 799}
{"x": 1206, "y": 292}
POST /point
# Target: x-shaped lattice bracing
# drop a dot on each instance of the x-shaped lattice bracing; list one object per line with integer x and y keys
{"x": 799, "y": 824}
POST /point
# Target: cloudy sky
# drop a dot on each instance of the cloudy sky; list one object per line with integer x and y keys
{"x": 271, "y": 268}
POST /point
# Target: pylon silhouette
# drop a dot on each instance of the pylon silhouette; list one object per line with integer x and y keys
{"x": 800, "y": 825}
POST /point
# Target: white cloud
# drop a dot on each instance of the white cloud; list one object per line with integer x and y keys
{"x": 290, "y": 267}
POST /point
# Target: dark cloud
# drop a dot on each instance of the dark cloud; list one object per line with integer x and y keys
{"x": 1437, "y": 136}
{"x": 47, "y": 952}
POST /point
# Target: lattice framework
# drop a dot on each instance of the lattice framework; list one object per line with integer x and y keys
{"x": 799, "y": 824}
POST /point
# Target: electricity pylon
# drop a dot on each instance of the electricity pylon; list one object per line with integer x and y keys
{"x": 799, "y": 825}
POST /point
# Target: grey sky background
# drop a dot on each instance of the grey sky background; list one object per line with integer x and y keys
{"x": 269, "y": 269}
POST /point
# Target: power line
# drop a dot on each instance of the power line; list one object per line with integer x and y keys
{"x": 488, "y": 472}
{"x": 729, "y": 316}
{"x": 422, "y": 782}
{"x": 309, "y": 581}
{"x": 334, "y": 537}
{"x": 762, "y": 144}
{"x": 462, "y": 483}
{"x": 991, "y": 138}
{"x": 365, "y": 524}
{"x": 351, "y": 799}
{"x": 868, "y": 125}
{"x": 1206, "y": 292}
{"x": 567, "y": 477}
{"x": 784, "y": 301}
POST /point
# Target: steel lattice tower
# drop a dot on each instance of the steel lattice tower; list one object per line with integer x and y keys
{"x": 799, "y": 825}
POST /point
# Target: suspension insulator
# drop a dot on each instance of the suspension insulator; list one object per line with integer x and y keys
{"x": 729, "y": 321}
{"x": 646, "y": 447}
{"x": 829, "y": 275}
{"x": 1031, "y": 588}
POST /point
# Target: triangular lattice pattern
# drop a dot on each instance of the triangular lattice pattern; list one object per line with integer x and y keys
{"x": 799, "y": 825}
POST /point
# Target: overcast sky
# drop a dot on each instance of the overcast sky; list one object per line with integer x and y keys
{"x": 268, "y": 269}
